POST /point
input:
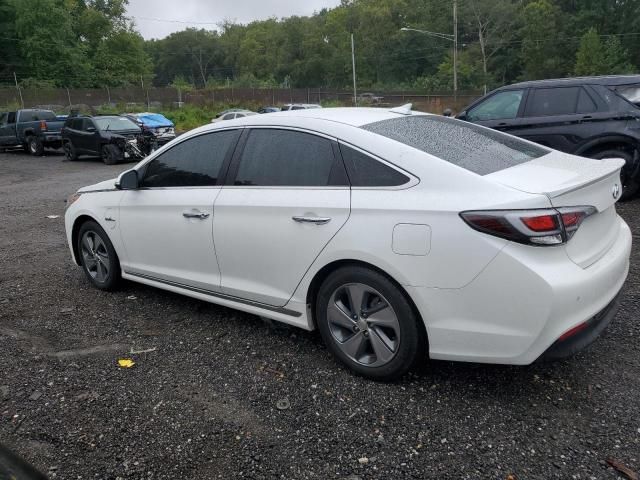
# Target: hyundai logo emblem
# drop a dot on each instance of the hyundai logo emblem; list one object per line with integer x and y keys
{"x": 615, "y": 191}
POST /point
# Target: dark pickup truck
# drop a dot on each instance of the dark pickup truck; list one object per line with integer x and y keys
{"x": 32, "y": 129}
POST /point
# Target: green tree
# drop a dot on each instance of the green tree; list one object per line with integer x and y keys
{"x": 617, "y": 59}
{"x": 543, "y": 56}
{"x": 590, "y": 58}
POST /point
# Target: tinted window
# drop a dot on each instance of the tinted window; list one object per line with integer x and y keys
{"x": 585, "y": 103}
{"x": 34, "y": 116}
{"x": 12, "y": 117}
{"x": 469, "y": 146}
{"x": 501, "y": 106}
{"x": 287, "y": 158}
{"x": 3, "y": 119}
{"x": 543, "y": 102}
{"x": 615, "y": 101}
{"x": 86, "y": 124}
{"x": 196, "y": 162}
{"x": 365, "y": 171}
{"x": 229, "y": 116}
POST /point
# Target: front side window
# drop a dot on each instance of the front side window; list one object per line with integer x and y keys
{"x": 274, "y": 157}
{"x": 87, "y": 125}
{"x": 585, "y": 103}
{"x": 195, "y": 162}
{"x": 477, "y": 149}
{"x": 501, "y": 106}
{"x": 12, "y": 117}
{"x": 545, "y": 102}
{"x": 3, "y": 119}
{"x": 229, "y": 116}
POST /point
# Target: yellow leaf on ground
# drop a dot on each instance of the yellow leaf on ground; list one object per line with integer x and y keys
{"x": 126, "y": 363}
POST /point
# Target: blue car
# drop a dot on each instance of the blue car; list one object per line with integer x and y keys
{"x": 160, "y": 126}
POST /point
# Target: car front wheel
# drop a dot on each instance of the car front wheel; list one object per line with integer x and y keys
{"x": 98, "y": 257}
{"x": 111, "y": 154}
{"x": 368, "y": 324}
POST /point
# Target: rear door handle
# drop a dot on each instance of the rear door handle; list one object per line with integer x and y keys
{"x": 314, "y": 220}
{"x": 195, "y": 214}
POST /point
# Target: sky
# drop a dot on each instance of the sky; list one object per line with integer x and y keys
{"x": 159, "y": 18}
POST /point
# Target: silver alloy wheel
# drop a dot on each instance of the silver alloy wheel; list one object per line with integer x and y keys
{"x": 95, "y": 256}
{"x": 364, "y": 324}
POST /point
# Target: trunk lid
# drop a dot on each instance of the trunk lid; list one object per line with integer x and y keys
{"x": 571, "y": 181}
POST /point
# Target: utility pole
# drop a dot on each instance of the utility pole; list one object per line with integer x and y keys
{"x": 455, "y": 50}
{"x": 18, "y": 88}
{"x": 353, "y": 65}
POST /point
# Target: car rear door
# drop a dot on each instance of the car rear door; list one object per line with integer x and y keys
{"x": 559, "y": 117}
{"x": 166, "y": 224}
{"x": 499, "y": 111}
{"x": 287, "y": 195}
{"x": 8, "y": 129}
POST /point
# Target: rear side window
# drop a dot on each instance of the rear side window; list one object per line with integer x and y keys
{"x": 480, "y": 150}
{"x": 195, "y": 162}
{"x": 365, "y": 171}
{"x": 543, "y": 102}
{"x": 274, "y": 157}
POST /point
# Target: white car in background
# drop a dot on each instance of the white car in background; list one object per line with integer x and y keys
{"x": 233, "y": 115}
{"x": 299, "y": 106}
{"x": 394, "y": 233}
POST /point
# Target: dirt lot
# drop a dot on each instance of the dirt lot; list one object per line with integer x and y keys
{"x": 204, "y": 403}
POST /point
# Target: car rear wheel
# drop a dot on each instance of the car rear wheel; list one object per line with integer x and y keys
{"x": 630, "y": 185}
{"x": 368, "y": 324}
{"x": 70, "y": 151}
{"x": 98, "y": 257}
{"x": 35, "y": 146}
{"x": 111, "y": 154}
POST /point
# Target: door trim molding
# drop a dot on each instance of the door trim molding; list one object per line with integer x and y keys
{"x": 285, "y": 311}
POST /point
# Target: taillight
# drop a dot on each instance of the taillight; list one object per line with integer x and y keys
{"x": 43, "y": 125}
{"x": 533, "y": 227}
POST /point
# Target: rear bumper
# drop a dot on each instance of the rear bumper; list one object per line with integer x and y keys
{"x": 51, "y": 138}
{"x": 523, "y": 302}
{"x": 563, "y": 348}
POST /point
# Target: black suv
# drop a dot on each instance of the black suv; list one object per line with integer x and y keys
{"x": 111, "y": 137}
{"x": 586, "y": 116}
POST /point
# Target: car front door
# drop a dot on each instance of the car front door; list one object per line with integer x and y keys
{"x": 499, "y": 111}
{"x": 560, "y": 117}
{"x": 286, "y": 196}
{"x": 166, "y": 224}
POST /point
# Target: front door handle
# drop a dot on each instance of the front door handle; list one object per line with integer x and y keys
{"x": 314, "y": 220}
{"x": 195, "y": 214}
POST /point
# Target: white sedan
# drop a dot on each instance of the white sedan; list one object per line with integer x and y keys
{"x": 396, "y": 234}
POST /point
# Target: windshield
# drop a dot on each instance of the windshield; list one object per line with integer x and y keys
{"x": 480, "y": 150}
{"x": 115, "y": 124}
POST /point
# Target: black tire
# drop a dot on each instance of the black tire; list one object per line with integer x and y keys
{"x": 101, "y": 252}
{"x": 70, "y": 151}
{"x": 630, "y": 185}
{"x": 34, "y": 146}
{"x": 411, "y": 343}
{"x": 111, "y": 154}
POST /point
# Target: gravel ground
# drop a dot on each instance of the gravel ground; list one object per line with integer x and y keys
{"x": 204, "y": 403}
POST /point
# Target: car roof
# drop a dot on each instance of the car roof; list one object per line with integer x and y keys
{"x": 318, "y": 117}
{"x": 608, "y": 80}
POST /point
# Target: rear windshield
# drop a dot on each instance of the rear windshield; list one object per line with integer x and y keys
{"x": 466, "y": 145}
{"x": 35, "y": 115}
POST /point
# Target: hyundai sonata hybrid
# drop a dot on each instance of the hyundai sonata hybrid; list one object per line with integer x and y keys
{"x": 395, "y": 233}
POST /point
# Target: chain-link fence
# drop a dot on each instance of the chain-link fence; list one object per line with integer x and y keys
{"x": 62, "y": 99}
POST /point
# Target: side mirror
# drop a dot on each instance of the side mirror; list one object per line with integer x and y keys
{"x": 128, "y": 180}
{"x": 447, "y": 112}
{"x": 462, "y": 115}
